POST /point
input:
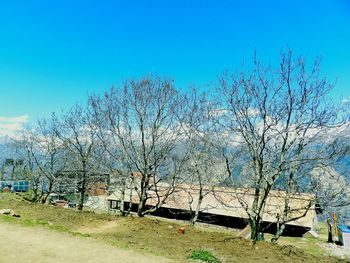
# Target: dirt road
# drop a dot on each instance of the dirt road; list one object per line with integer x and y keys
{"x": 21, "y": 244}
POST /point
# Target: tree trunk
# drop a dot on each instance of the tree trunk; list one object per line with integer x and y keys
{"x": 279, "y": 232}
{"x": 199, "y": 203}
{"x": 49, "y": 190}
{"x": 142, "y": 203}
{"x": 83, "y": 186}
{"x": 13, "y": 171}
{"x": 141, "y": 208}
{"x": 122, "y": 200}
{"x": 130, "y": 199}
{"x": 82, "y": 195}
{"x": 81, "y": 201}
{"x": 330, "y": 233}
{"x": 2, "y": 172}
{"x": 254, "y": 230}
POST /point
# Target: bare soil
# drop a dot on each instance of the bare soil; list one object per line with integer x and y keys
{"x": 22, "y": 244}
{"x": 146, "y": 236}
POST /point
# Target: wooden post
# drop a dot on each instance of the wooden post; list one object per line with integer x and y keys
{"x": 335, "y": 225}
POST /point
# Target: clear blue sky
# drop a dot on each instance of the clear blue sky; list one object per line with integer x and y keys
{"x": 53, "y": 53}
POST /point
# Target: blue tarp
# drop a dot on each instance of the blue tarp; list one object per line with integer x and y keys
{"x": 344, "y": 229}
{"x": 15, "y": 186}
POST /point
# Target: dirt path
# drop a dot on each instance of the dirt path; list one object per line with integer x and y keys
{"x": 20, "y": 244}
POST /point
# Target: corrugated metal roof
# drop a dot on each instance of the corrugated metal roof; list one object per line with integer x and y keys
{"x": 231, "y": 201}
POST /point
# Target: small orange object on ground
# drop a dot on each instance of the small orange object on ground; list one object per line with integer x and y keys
{"x": 62, "y": 203}
{"x": 181, "y": 230}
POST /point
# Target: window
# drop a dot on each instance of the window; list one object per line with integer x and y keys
{"x": 113, "y": 204}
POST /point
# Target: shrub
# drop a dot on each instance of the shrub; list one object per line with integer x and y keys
{"x": 204, "y": 255}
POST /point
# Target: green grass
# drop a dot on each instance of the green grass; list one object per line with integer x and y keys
{"x": 204, "y": 255}
{"x": 311, "y": 245}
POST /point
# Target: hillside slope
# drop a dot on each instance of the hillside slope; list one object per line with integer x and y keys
{"x": 151, "y": 236}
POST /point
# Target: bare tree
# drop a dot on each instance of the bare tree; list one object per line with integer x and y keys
{"x": 23, "y": 148}
{"x": 105, "y": 116}
{"x": 49, "y": 156}
{"x": 142, "y": 119}
{"x": 43, "y": 156}
{"x": 205, "y": 144}
{"x": 78, "y": 135}
{"x": 279, "y": 115}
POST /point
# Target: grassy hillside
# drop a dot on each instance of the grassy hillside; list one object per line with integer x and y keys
{"x": 154, "y": 236}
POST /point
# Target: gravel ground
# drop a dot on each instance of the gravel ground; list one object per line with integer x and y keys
{"x": 338, "y": 251}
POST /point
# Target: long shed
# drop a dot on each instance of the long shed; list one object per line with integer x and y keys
{"x": 225, "y": 206}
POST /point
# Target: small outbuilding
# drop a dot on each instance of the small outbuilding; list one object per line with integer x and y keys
{"x": 344, "y": 236}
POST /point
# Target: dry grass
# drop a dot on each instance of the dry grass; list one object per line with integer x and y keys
{"x": 153, "y": 236}
{"x": 39, "y": 245}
